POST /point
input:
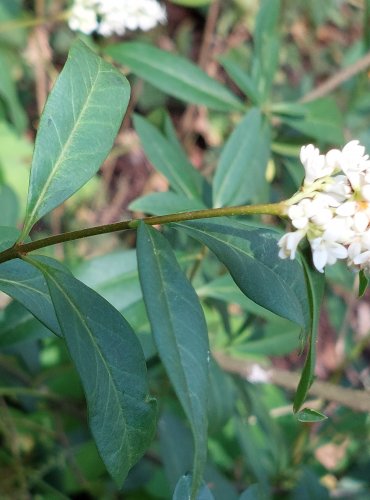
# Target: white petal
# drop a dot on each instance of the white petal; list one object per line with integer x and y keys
{"x": 333, "y": 157}
{"x": 320, "y": 258}
{"x": 347, "y": 209}
{"x": 360, "y": 222}
{"x": 365, "y": 191}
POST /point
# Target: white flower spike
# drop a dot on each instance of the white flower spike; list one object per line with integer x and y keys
{"x": 332, "y": 208}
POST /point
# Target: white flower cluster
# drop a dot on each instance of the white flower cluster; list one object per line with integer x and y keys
{"x": 109, "y": 17}
{"x": 332, "y": 209}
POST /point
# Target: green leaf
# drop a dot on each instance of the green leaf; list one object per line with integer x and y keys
{"x": 164, "y": 203}
{"x": 266, "y": 46}
{"x": 221, "y": 398}
{"x": 254, "y": 492}
{"x": 76, "y": 131}
{"x": 180, "y": 333}
{"x": 174, "y": 75}
{"x": 9, "y": 206}
{"x": 111, "y": 364}
{"x": 321, "y": 120}
{"x": 241, "y": 78}
{"x": 165, "y": 157}
{"x": 251, "y": 256}
{"x": 15, "y": 157}
{"x": 310, "y": 415}
{"x": 315, "y": 288}
{"x": 363, "y": 283}
{"x": 281, "y": 338}
{"x": 183, "y": 490}
{"x": 8, "y": 93}
{"x": 191, "y": 3}
{"x": 240, "y": 174}
{"x": 18, "y": 325}
{"x": 176, "y": 450}
{"x": 114, "y": 276}
{"x": 27, "y": 285}
{"x": 8, "y": 236}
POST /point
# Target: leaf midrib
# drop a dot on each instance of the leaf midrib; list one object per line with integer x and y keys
{"x": 41, "y": 197}
{"x": 238, "y": 249}
{"x": 227, "y": 98}
{"x": 116, "y": 391}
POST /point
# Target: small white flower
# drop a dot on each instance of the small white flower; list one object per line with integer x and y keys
{"x": 314, "y": 164}
{"x": 325, "y": 251}
{"x": 83, "y": 19}
{"x": 340, "y": 229}
{"x": 301, "y": 213}
{"x": 289, "y": 242}
{"x": 347, "y": 209}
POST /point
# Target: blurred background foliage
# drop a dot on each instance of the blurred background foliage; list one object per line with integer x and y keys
{"x": 320, "y": 93}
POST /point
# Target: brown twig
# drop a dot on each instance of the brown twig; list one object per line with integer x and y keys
{"x": 335, "y": 81}
{"x": 211, "y": 22}
{"x": 355, "y": 399}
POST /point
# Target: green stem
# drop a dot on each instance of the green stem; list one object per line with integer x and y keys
{"x": 32, "y": 21}
{"x": 20, "y": 249}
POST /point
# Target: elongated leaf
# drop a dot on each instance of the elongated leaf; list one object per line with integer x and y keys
{"x": 8, "y": 236}
{"x": 174, "y": 75}
{"x": 315, "y": 288}
{"x": 27, "y": 285}
{"x": 165, "y": 157}
{"x": 111, "y": 364}
{"x": 19, "y": 325}
{"x": 164, "y": 203}
{"x": 9, "y": 206}
{"x": 322, "y": 120}
{"x": 240, "y": 174}
{"x": 76, "y": 132}
{"x": 241, "y": 78}
{"x": 363, "y": 283}
{"x": 183, "y": 490}
{"x": 191, "y": 3}
{"x": 9, "y": 94}
{"x": 177, "y": 451}
{"x": 180, "y": 333}
{"x": 253, "y": 492}
{"x": 266, "y": 46}
{"x": 251, "y": 256}
{"x": 310, "y": 415}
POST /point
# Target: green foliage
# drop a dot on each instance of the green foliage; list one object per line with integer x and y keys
{"x": 181, "y": 175}
{"x": 76, "y": 131}
{"x": 111, "y": 364}
{"x": 182, "y": 345}
{"x": 174, "y": 75}
{"x": 196, "y": 298}
{"x": 240, "y": 173}
{"x": 239, "y": 246}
